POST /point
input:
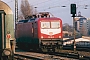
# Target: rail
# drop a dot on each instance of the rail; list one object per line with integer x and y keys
{"x": 39, "y": 56}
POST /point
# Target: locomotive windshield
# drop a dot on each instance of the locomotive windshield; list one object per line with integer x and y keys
{"x": 55, "y": 24}
{"x": 51, "y": 24}
{"x": 45, "y": 24}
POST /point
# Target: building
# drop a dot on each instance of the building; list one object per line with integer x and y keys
{"x": 88, "y": 21}
{"x": 82, "y": 24}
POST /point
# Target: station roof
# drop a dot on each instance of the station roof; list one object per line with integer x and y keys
{"x": 5, "y": 7}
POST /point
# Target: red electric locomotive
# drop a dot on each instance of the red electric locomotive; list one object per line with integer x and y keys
{"x": 39, "y": 33}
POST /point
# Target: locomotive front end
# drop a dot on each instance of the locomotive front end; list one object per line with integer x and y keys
{"x": 51, "y": 33}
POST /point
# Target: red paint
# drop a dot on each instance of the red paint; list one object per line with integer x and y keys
{"x": 25, "y": 29}
{"x": 8, "y": 36}
{"x": 47, "y": 36}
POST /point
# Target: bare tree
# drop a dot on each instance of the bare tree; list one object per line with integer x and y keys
{"x": 67, "y": 27}
{"x": 83, "y": 30}
{"x": 26, "y": 9}
{"x": 20, "y": 16}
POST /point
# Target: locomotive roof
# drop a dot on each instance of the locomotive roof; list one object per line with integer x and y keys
{"x": 22, "y": 21}
{"x": 36, "y": 19}
{"x": 51, "y": 18}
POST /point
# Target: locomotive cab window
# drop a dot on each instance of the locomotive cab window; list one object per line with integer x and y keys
{"x": 55, "y": 24}
{"x": 45, "y": 24}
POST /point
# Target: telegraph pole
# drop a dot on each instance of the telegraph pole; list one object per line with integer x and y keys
{"x": 16, "y": 14}
{"x": 16, "y": 11}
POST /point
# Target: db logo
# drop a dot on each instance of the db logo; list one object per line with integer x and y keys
{"x": 8, "y": 36}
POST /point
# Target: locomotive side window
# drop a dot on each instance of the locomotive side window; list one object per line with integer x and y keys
{"x": 45, "y": 24}
{"x": 55, "y": 24}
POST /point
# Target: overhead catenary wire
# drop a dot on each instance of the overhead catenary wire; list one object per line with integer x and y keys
{"x": 40, "y": 2}
{"x": 41, "y": 7}
{"x": 50, "y": 4}
{"x": 63, "y": 3}
{"x": 54, "y": 3}
{"x": 10, "y": 1}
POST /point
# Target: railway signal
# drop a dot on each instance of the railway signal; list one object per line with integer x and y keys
{"x": 73, "y": 12}
{"x": 73, "y": 8}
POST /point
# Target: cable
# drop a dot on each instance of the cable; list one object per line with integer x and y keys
{"x": 41, "y": 2}
{"x": 66, "y": 4}
{"x": 54, "y": 4}
{"x": 10, "y": 1}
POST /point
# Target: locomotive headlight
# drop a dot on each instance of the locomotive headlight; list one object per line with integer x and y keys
{"x": 41, "y": 36}
{"x": 59, "y": 36}
{"x": 6, "y": 52}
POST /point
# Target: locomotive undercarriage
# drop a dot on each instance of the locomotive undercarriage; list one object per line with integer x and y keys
{"x": 51, "y": 45}
{"x": 27, "y": 43}
{"x": 44, "y": 45}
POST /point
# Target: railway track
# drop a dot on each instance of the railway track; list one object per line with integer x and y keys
{"x": 49, "y": 56}
{"x": 77, "y": 54}
{"x": 39, "y": 56}
{"x": 62, "y": 53}
{"x": 72, "y": 55}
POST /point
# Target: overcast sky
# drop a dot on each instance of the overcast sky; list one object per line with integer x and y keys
{"x": 55, "y": 7}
